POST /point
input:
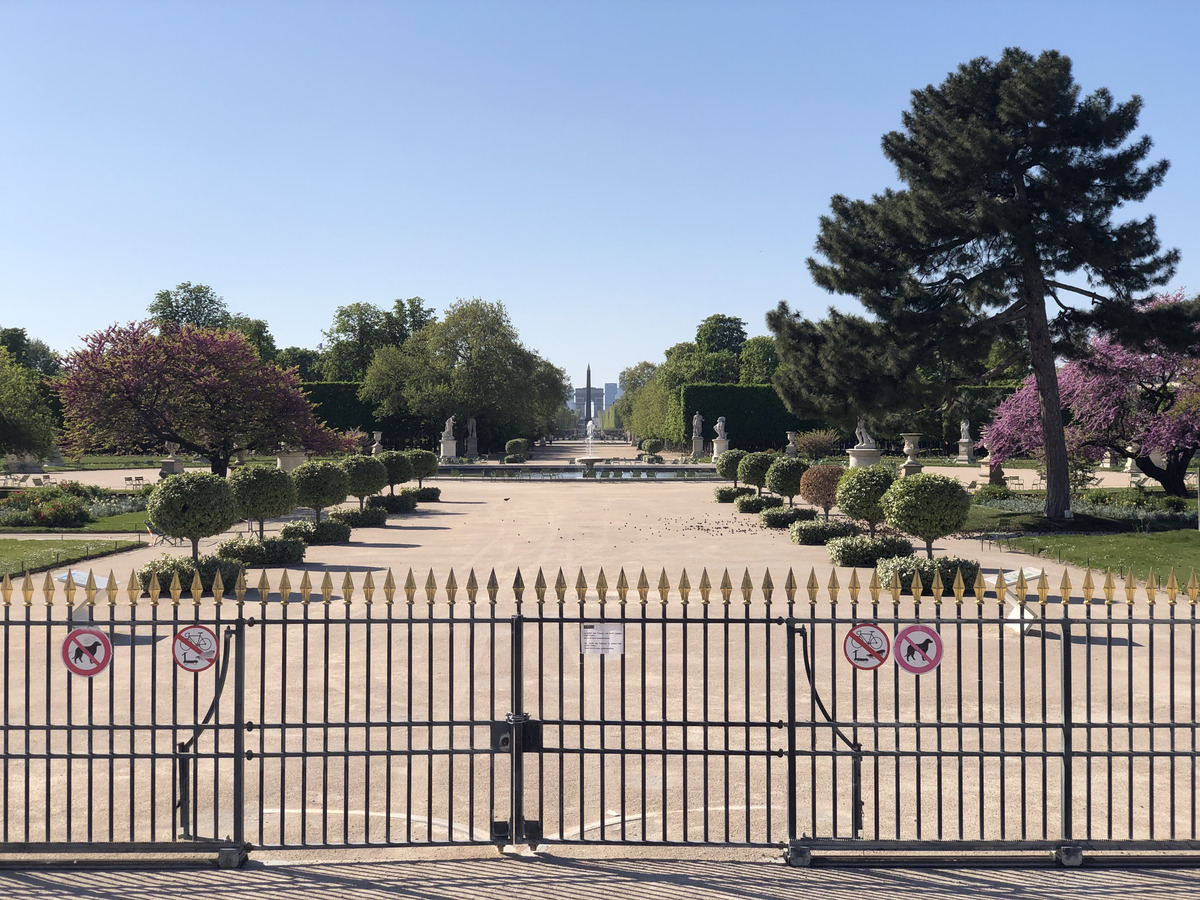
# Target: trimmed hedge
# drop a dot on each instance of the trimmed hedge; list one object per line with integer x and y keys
{"x": 166, "y": 566}
{"x": 405, "y": 501}
{"x": 905, "y": 566}
{"x": 783, "y": 516}
{"x": 761, "y": 421}
{"x": 308, "y": 531}
{"x": 749, "y": 503}
{"x": 371, "y": 517}
{"x": 862, "y": 552}
{"x": 429, "y": 494}
{"x": 269, "y": 552}
{"x": 727, "y": 494}
{"x": 814, "y": 534}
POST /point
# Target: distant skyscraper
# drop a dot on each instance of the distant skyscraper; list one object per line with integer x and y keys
{"x": 611, "y": 393}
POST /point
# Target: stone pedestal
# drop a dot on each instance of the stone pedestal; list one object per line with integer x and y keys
{"x": 912, "y": 446}
{"x": 864, "y": 456}
{"x": 289, "y": 459}
{"x": 697, "y": 446}
{"x": 449, "y": 448}
{"x": 790, "y": 449}
{"x": 966, "y": 451}
{"x": 720, "y": 445}
{"x": 170, "y": 466}
{"x": 993, "y": 474}
{"x": 473, "y": 446}
{"x": 377, "y": 447}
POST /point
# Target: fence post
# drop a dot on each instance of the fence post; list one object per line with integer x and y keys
{"x": 239, "y": 731}
{"x": 517, "y": 719}
{"x": 1067, "y": 854}
{"x": 795, "y": 855}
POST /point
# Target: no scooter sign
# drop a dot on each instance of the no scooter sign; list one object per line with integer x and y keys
{"x": 195, "y": 648}
{"x": 866, "y": 646}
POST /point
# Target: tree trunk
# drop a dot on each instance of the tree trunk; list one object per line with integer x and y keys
{"x": 261, "y": 528}
{"x": 1041, "y": 357}
{"x": 195, "y": 550}
{"x": 1171, "y": 478}
{"x": 220, "y": 466}
{"x": 929, "y": 549}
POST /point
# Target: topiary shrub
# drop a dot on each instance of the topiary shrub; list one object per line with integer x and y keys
{"x": 424, "y": 464}
{"x": 316, "y": 532}
{"x": 517, "y": 450}
{"x": 752, "y": 503}
{"x": 405, "y": 501}
{"x": 926, "y": 506}
{"x": 946, "y": 566}
{"x": 651, "y": 458}
{"x": 262, "y": 493}
{"x": 814, "y": 534}
{"x": 320, "y": 485}
{"x": 399, "y": 468}
{"x": 653, "y": 446}
{"x": 813, "y": 446}
{"x": 783, "y": 477}
{"x": 514, "y": 458}
{"x": 367, "y": 476}
{"x": 858, "y": 494}
{"x": 753, "y": 469}
{"x": 782, "y": 517}
{"x": 727, "y": 494}
{"x": 371, "y": 517}
{"x": 429, "y": 494}
{"x": 862, "y": 552}
{"x": 270, "y": 552}
{"x": 185, "y": 567}
{"x": 819, "y": 484}
{"x": 727, "y": 464}
{"x": 992, "y": 492}
{"x": 192, "y": 505}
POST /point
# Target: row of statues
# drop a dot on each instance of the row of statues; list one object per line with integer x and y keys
{"x": 861, "y": 435}
{"x": 698, "y": 427}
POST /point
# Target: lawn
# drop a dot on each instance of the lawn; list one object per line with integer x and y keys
{"x": 17, "y": 556}
{"x": 126, "y": 523}
{"x": 1162, "y": 551}
{"x": 987, "y": 519}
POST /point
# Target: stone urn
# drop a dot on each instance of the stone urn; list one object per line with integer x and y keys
{"x": 790, "y": 449}
{"x": 912, "y": 446}
{"x": 377, "y": 447}
{"x": 287, "y": 458}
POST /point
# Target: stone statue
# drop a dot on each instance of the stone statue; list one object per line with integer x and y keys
{"x": 865, "y": 441}
{"x": 449, "y": 432}
{"x": 697, "y": 425}
{"x": 721, "y": 428}
{"x": 470, "y": 426}
{"x": 964, "y": 430}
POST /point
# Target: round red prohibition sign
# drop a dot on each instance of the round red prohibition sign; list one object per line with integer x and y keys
{"x": 195, "y": 648}
{"x": 918, "y": 649}
{"x": 866, "y": 646}
{"x": 86, "y": 652}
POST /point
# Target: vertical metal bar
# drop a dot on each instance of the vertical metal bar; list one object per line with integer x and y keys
{"x": 1067, "y": 827}
{"x": 239, "y": 729}
{"x": 516, "y": 718}
{"x": 791, "y": 729}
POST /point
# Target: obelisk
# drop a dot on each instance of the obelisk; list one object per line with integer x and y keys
{"x": 587, "y": 403}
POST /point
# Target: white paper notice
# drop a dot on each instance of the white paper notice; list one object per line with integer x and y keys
{"x": 602, "y": 638}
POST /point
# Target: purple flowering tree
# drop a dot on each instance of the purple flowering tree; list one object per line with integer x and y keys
{"x": 1116, "y": 400}
{"x": 133, "y": 387}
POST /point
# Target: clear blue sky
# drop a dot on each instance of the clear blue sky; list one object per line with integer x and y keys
{"x": 613, "y": 172}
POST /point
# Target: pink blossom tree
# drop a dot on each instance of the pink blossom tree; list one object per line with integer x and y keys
{"x": 1116, "y": 400}
{"x": 133, "y": 387}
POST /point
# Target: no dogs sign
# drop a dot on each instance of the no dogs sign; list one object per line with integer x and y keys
{"x": 918, "y": 649}
{"x": 86, "y": 652}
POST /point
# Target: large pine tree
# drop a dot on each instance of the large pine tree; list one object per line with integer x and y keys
{"x": 1011, "y": 183}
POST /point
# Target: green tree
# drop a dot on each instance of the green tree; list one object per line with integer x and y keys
{"x": 783, "y": 478}
{"x": 189, "y": 304}
{"x": 307, "y": 363}
{"x": 1011, "y": 180}
{"x": 399, "y": 468}
{"x": 29, "y": 352}
{"x": 753, "y": 468}
{"x": 424, "y": 464}
{"x": 257, "y": 332}
{"x": 26, "y": 425}
{"x": 926, "y": 506}
{"x": 630, "y": 381}
{"x": 193, "y": 505}
{"x": 320, "y": 485}
{"x": 262, "y": 493}
{"x": 859, "y": 492}
{"x": 358, "y": 330}
{"x": 728, "y": 464}
{"x": 367, "y": 476}
{"x": 819, "y": 484}
{"x": 717, "y": 333}
{"x": 758, "y": 361}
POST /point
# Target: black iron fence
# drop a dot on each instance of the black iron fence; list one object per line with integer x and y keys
{"x": 987, "y": 718}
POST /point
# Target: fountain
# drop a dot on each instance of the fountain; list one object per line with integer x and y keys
{"x": 589, "y": 460}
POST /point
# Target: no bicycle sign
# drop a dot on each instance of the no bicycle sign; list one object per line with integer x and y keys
{"x": 195, "y": 648}
{"x": 866, "y": 646}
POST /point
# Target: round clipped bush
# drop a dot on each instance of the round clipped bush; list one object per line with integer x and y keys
{"x": 992, "y": 492}
{"x": 262, "y": 493}
{"x": 399, "y": 468}
{"x": 818, "y": 486}
{"x": 858, "y": 494}
{"x": 783, "y": 477}
{"x": 784, "y": 516}
{"x": 752, "y": 503}
{"x": 862, "y": 552}
{"x": 753, "y": 469}
{"x": 727, "y": 464}
{"x": 371, "y": 517}
{"x": 316, "y": 533}
{"x": 268, "y": 552}
{"x": 424, "y": 464}
{"x": 514, "y": 458}
{"x": 945, "y": 566}
{"x": 727, "y": 494}
{"x": 192, "y": 505}
{"x": 320, "y": 485}
{"x": 814, "y": 534}
{"x": 927, "y": 507}
{"x": 367, "y": 476}
{"x": 653, "y": 446}
{"x": 405, "y": 501}
{"x": 429, "y": 494}
{"x": 185, "y": 567}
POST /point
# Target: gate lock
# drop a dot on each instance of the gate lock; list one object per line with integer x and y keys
{"x": 531, "y": 736}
